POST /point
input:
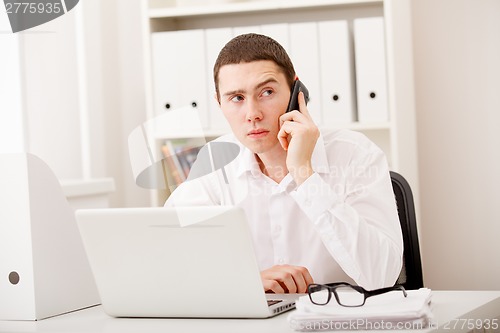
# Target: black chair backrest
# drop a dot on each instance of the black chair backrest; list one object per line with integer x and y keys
{"x": 411, "y": 274}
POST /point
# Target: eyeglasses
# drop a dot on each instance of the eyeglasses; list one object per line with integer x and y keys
{"x": 345, "y": 293}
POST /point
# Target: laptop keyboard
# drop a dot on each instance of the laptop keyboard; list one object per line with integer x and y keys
{"x": 272, "y": 302}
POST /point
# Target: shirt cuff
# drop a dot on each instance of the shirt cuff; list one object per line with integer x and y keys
{"x": 314, "y": 196}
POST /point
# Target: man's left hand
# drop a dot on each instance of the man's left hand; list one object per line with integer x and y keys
{"x": 298, "y": 135}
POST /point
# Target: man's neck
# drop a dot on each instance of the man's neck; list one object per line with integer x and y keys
{"x": 273, "y": 164}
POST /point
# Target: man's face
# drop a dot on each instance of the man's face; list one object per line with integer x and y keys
{"x": 252, "y": 97}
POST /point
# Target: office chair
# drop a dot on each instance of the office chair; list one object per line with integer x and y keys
{"x": 411, "y": 273}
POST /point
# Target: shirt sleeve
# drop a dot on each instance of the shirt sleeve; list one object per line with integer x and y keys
{"x": 357, "y": 219}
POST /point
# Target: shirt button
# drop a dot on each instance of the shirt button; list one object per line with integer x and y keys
{"x": 277, "y": 229}
{"x": 307, "y": 202}
{"x": 281, "y": 261}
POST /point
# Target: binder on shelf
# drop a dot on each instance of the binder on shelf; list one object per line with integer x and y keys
{"x": 371, "y": 74}
{"x": 215, "y": 39}
{"x": 337, "y": 73}
{"x": 278, "y": 32}
{"x": 304, "y": 54}
{"x": 148, "y": 164}
{"x": 246, "y": 30}
{"x": 179, "y": 71}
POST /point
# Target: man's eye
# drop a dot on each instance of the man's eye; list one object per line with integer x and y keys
{"x": 267, "y": 92}
{"x": 237, "y": 98}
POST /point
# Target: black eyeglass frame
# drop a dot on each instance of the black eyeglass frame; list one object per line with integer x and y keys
{"x": 332, "y": 288}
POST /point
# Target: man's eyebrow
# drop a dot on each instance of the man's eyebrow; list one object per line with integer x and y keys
{"x": 266, "y": 82}
{"x": 241, "y": 91}
{"x": 234, "y": 92}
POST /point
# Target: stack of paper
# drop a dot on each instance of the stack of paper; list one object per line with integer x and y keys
{"x": 382, "y": 312}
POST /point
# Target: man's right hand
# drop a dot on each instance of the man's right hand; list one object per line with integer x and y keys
{"x": 281, "y": 279}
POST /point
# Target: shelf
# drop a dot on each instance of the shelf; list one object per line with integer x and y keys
{"x": 248, "y": 7}
{"x": 384, "y": 126}
{"x": 396, "y": 136}
{"x": 87, "y": 187}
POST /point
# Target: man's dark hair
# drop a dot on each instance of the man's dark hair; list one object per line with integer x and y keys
{"x": 253, "y": 47}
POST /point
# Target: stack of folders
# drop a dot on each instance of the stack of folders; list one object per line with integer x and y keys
{"x": 390, "y": 311}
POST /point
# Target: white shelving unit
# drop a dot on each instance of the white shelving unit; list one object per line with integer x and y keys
{"x": 397, "y": 137}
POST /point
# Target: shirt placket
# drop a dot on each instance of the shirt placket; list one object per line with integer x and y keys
{"x": 277, "y": 222}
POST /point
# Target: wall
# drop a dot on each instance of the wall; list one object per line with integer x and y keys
{"x": 11, "y": 120}
{"x": 457, "y": 82}
{"x": 132, "y": 95}
{"x": 71, "y": 92}
{"x": 114, "y": 62}
{"x": 39, "y": 89}
{"x": 457, "y": 73}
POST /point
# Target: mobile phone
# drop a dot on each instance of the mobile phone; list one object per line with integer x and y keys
{"x": 293, "y": 104}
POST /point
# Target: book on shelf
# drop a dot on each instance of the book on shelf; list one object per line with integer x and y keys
{"x": 179, "y": 156}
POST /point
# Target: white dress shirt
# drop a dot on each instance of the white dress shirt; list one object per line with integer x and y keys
{"x": 341, "y": 223}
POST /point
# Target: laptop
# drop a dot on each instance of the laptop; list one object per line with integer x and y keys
{"x": 195, "y": 262}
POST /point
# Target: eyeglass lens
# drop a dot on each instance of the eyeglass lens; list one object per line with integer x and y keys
{"x": 319, "y": 294}
{"x": 345, "y": 295}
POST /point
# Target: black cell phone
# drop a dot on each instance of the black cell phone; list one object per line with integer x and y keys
{"x": 293, "y": 104}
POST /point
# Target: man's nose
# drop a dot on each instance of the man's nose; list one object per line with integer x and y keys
{"x": 253, "y": 111}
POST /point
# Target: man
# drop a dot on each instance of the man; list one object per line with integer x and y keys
{"x": 320, "y": 206}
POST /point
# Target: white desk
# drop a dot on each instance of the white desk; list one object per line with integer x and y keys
{"x": 448, "y": 306}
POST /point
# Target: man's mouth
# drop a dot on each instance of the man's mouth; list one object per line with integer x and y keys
{"x": 257, "y": 133}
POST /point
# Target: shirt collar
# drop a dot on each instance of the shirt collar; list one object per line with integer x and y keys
{"x": 248, "y": 163}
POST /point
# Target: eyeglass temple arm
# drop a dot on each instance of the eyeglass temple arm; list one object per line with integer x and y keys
{"x": 385, "y": 290}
